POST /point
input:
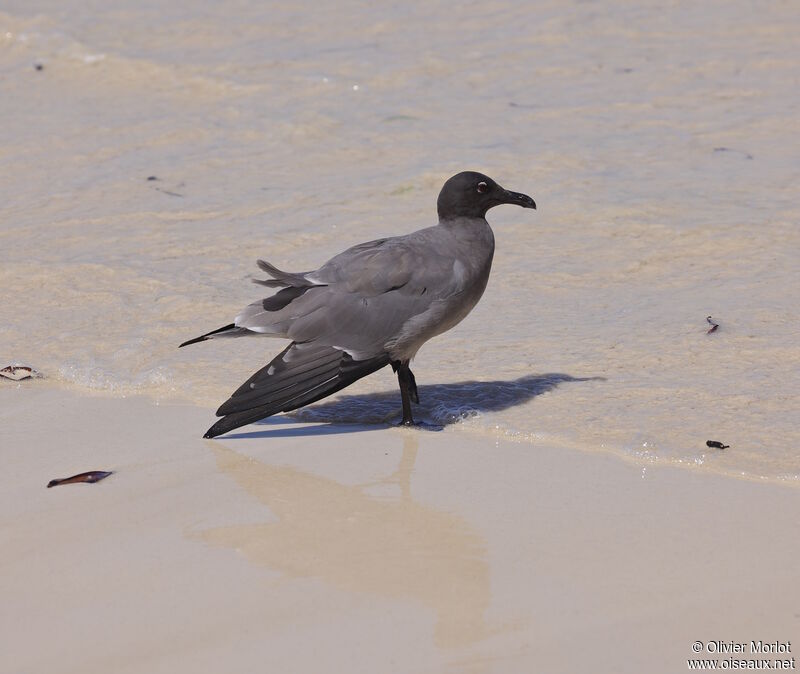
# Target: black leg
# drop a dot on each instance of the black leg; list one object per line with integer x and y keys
{"x": 403, "y": 378}
{"x": 412, "y": 387}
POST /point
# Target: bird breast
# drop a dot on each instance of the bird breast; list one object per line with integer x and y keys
{"x": 468, "y": 278}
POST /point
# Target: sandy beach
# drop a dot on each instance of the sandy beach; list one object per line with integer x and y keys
{"x": 568, "y": 515}
{"x": 343, "y": 548}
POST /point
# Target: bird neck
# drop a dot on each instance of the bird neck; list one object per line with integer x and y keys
{"x": 469, "y": 230}
{"x": 463, "y": 222}
{"x": 447, "y": 212}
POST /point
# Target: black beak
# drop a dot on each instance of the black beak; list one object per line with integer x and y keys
{"x": 518, "y": 199}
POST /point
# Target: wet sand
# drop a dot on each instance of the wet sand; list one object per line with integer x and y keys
{"x": 298, "y": 547}
{"x": 658, "y": 140}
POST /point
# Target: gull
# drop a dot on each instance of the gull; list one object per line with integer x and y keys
{"x": 373, "y": 305}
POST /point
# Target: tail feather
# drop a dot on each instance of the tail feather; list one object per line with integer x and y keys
{"x": 298, "y": 376}
{"x": 282, "y": 277}
{"x": 227, "y": 330}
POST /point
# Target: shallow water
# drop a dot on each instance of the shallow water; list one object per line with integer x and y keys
{"x": 659, "y": 141}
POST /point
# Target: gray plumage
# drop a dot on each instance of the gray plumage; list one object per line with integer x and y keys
{"x": 373, "y": 305}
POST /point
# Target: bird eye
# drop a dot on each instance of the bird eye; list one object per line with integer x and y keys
{"x": 482, "y": 187}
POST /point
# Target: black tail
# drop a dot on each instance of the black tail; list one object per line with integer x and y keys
{"x": 301, "y": 374}
{"x": 209, "y": 335}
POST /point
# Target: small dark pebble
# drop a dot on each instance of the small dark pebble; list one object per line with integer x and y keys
{"x": 716, "y": 444}
{"x": 713, "y": 325}
{"x": 91, "y": 477}
{"x": 152, "y": 178}
{"x": 38, "y": 66}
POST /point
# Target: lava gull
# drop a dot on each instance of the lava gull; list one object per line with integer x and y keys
{"x": 373, "y": 305}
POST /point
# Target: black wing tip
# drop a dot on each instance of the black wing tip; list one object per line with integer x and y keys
{"x": 193, "y": 341}
{"x": 223, "y": 426}
{"x": 214, "y": 431}
{"x": 208, "y": 335}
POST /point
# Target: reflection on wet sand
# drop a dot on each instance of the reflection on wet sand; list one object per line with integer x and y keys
{"x": 388, "y": 547}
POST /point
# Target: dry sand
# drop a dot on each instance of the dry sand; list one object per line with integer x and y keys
{"x": 657, "y": 139}
{"x": 337, "y": 548}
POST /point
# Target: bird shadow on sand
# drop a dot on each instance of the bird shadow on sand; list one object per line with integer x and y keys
{"x": 440, "y": 405}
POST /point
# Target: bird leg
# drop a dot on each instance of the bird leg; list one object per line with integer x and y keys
{"x": 408, "y": 389}
{"x": 412, "y": 386}
{"x": 412, "y": 381}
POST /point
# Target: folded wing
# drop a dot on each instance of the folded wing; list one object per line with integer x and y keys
{"x": 299, "y": 375}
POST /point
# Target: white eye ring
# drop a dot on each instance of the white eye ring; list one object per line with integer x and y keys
{"x": 482, "y": 187}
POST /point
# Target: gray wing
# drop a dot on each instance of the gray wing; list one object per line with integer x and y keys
{"x": 359, "y": 300}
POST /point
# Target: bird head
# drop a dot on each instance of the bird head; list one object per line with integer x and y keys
{"x": 470, "y": 194}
